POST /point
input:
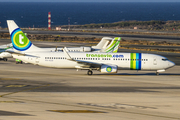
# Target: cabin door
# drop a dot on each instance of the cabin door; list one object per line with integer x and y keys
{"x": 154, "y": 61}
{"x": 37, "y": 59}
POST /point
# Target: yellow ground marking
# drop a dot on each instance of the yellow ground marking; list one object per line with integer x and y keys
{"x": 76, "y": 111}
{"x": 24, "y": 90}
{"x": 95, "y": 107}
{"x": 16, "y": 85}
{"x": 9, "y": 79}
{"x": 10, "y": 102}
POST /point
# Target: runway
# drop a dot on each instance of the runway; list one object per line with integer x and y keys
{"x": 34, "y": 92}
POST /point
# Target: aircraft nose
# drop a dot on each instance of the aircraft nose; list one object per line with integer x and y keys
{"x": 171, "y": 64}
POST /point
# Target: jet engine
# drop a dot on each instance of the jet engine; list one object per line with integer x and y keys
{"x": 5, "y": 55}
{"x": 109, "y": 68}
{"x": 85, "y": 49}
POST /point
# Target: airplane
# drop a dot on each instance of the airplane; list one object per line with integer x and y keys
{"x": 103, "y": 62}
{"x": 4, "y": 55}
{"x": 102, "y": 46}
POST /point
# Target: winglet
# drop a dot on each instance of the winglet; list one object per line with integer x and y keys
{"x": 117, "y": 45}
{"x": 65, "y": 50}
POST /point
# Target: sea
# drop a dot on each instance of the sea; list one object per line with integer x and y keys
{"x": 35, "y": 14}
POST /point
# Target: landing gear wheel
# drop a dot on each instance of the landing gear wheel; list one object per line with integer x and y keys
{"x": 5, "y": 59}
{"x": 157, "y": 73}
{"x": 89, "y": 72}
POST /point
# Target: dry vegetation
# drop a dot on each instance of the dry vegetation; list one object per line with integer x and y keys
{"x": 124, "y": 43}
{"x": 148, "y": 25}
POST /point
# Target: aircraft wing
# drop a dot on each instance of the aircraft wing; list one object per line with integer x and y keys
{"x": 13, "y": 52}
{"x": 90, "y": 64}
{"x": 20, "y": 54}
{"x": 84, "y": 64}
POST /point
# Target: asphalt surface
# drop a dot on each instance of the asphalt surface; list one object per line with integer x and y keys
{"x": 33, "y": 92}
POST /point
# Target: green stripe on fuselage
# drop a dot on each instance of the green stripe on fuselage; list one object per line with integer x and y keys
{"x": 133, "y": 61}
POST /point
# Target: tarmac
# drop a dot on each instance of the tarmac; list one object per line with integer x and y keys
{"x": 33, "y": 92}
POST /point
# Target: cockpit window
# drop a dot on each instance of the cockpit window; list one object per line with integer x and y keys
{"x": 164, "y": 59}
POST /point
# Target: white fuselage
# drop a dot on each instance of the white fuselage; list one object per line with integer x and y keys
{"x": 134, "y": 61}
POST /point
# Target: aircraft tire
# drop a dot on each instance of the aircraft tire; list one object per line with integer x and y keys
{"x": 157, "y": 73}
{"x": 5, "y": 59}
{"x": 89, "y": 72}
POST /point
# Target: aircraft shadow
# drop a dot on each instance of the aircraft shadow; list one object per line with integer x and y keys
{"x": 141, "y": 74}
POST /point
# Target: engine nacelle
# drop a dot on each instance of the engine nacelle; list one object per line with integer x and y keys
{"x": 5, "y": 55}
{"x": 109, "y": 68}
{"x": 85, "y": 49}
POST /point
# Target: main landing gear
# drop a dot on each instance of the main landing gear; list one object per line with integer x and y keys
{"x": 5, "y": 59}
{"x": 89, "y": 72}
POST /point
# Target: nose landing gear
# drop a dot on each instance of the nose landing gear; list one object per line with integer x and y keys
{"x": 89, "y": 72}
{"x": 157, "y": 73}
